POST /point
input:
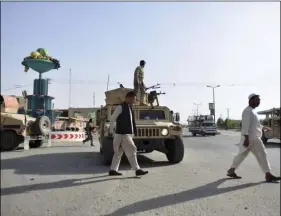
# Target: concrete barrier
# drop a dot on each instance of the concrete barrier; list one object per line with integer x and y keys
{"x": 67, "y": 136}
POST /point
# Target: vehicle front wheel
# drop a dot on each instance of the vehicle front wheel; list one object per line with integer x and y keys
{"x": 10, "y": 141}
{"x": 193, "y": 134}
{"x": 107, "y": 150}
{"x": 175, "y": 149}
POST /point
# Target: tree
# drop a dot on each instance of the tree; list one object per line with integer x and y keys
{"x": 228, "y": 123}
{"x": 220, "y": 123}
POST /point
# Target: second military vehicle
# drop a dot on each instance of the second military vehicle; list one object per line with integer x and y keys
{"x": 272, "y": 121}
{"x": 203, "y": 125}
{"x": 158, "y": 127}
{"x": 18, "y": 128}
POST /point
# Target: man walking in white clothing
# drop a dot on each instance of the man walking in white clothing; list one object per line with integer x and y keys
{"x": 251, "y": 134}
{"x": 123, "y": 137}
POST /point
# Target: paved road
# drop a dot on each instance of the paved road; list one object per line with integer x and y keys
{"x": 69, "y": 180}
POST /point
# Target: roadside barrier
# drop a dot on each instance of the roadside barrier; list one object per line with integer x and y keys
{"x": 67, "y": 136}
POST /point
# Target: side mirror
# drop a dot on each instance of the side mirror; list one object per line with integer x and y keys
{"x": 177, "y": 117}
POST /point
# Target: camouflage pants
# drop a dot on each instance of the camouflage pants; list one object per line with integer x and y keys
{"x": 140, "y": 92}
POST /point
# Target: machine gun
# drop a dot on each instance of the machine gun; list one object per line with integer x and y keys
{"x": 152, "y": 96}
{"x": 157, "y": 86}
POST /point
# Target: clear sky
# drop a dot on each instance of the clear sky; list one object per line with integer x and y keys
{"x": 236, "y": 45}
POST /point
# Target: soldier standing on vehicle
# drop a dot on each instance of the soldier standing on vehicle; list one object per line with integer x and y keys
{"x": 251, "y": 141}
{"x": 89, "y": 129}
{"x": 123, "y": 137}
{"x": 139, "y": 86}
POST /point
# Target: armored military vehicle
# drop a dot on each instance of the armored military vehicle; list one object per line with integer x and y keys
{"x": 158, "y": 127}
{"x": 17, "y": 128}
{"x": 272, "y": 121}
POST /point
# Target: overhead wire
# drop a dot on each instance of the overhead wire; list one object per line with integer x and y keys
{"x": 16, "y": 87}
{"x": 99, "y": 82}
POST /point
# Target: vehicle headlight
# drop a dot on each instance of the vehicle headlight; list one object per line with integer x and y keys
{"x": 164, "y": 132}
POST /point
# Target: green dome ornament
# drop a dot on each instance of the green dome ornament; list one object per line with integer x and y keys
{"x": 42, "y": 51}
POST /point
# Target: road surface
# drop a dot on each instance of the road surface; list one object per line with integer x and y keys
{"x": 69, "y": 180}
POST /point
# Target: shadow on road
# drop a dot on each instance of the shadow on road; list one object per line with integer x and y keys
{"x": 190, "y": 135}
{"x": 68, "y": 163}
{"x": 55, "y": 164}
{"x": 200, "y": 192}
{"x": 55, "y": 185}
{"x": 146, "y": 162}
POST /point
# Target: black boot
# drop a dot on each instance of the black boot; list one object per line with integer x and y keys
{"x": 141, "y": 172}
{"x": 272, "y": 178}
{"x": 114, "y": 173}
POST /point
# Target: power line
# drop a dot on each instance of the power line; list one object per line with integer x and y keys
{"x": 16, "y": 87}
{"x": 100, "y": 82}
{"x": 171, "y": 84}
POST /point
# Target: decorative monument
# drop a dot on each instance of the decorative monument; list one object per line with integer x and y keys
{"x": 40, "y": 103}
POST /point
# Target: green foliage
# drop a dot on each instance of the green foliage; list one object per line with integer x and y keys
{"x": 220, "y": 123}
{"x": 230, "y": 123}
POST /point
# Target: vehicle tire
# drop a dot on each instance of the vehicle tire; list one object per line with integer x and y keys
{"x": 35, "y": 143}
{"x": 214, "y": 134}
{"x": 42, "y": 125}
{"x": 107, "y": 150}
{"x": 263, "y": 138}
{"x": 10, "y": 140}
{"x": 193, "y": 134}
{"x": 202, "y": 133}
{"x": 175, "y": 149}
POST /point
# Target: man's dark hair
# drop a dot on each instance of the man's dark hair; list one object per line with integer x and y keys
{"x": 254, "y": 97}
{"x": 90, "y": 120}
{"x": 142, "y": 62}
{"x": 131, "y": 94}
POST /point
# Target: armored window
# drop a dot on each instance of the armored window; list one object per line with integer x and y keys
{"x": 152, "y": 114}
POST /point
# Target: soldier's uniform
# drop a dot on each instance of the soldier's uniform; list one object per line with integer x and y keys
{"x": 89, "y": 129}
{"x": 139, "y": 86}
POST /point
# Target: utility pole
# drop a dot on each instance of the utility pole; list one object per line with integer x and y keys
{"x": 94, "y": 99}
{"x": 227, "y": 109}
{"x": 197, "y": 107}
{"x": 213, "y": 88}
{"x": 69, "y": 96}
{"x": 108, "y": 77}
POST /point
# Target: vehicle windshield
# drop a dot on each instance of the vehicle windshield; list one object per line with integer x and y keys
{"x": 152, "y": 114}
{"x": 208, "y": 124}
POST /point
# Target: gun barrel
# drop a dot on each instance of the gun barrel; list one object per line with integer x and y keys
{"x": 153, "y": 86}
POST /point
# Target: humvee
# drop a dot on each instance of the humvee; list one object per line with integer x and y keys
{"x": 18, "y": 128}
{"x": 272, "y": 121}
{"x": 158, "y": 127}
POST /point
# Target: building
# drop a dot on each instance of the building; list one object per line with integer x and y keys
{"x": 82, "y": 112}
{"x": 85, "y": 112}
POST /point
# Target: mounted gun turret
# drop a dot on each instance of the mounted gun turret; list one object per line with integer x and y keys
{"x": 153, "y": 95}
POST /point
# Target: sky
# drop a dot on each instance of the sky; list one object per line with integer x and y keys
{"x": 235, "y": 45}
